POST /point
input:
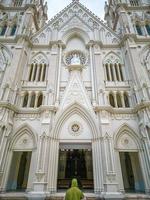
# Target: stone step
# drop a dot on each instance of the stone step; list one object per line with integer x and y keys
{"x": 23, "y": 196}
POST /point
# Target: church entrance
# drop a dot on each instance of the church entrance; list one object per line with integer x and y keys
{"x": 75, "y": 163}
{"x": 131, "y": 172}
{"x": 19, "y": 171}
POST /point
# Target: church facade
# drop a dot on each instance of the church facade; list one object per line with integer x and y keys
{"x": 75, "y": 99}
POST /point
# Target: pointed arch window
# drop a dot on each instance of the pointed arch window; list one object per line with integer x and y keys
{"x": 114, "y": 72}
{"x": 3, "y": 30}
{"x": 147, "y": 26}
{"x": 18, "y": 3}
{"x": 13, "y": 30}
{"x": 37, "y": 72}
{"x": 139, "y": 29}
{"x": 25, "y": 100}
{"x": 134, "y": 2}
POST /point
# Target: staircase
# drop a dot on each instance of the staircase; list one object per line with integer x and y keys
{"x": 60, "y": 196}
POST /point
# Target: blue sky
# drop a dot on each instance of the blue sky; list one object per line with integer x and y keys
{"x": 96, "y": 6}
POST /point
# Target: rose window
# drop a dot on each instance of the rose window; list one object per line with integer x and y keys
{"x": 75, "y": 57}
{"x": 75, "y": 128}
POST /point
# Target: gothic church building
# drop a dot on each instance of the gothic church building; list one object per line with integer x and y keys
{"x": 75, "y": 100}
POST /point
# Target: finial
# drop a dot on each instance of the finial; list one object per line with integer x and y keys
{"x": 75, "y": 0}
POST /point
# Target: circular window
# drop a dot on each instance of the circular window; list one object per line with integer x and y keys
{"x": 82, "y": 58}
{"x": 75, "y": 128}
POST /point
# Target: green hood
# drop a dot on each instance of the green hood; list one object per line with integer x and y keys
{"x": 74, "y": 183}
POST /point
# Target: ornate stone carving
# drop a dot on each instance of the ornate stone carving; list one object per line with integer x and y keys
{"x": 75, "y": 128}
{"x": 75, "y": 58}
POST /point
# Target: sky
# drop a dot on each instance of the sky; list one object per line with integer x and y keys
{"x": 96, "y": 6}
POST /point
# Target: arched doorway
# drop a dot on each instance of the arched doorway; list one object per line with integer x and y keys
{"x": 127, "y": 145}
{"x": 75, "y": 126}
{"x": 22, "y": 146}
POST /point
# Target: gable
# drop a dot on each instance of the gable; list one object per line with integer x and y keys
{"x": 75, "y": 92}
{"x": 75, "y": 16}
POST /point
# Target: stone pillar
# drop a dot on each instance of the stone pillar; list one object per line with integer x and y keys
{"x": 145, "y": 163}
{"x": 53, "y": 165}
{"x": 42, "y": 73}
{"x": 33, "y": 71}
{"x": 59, "y": 74}
{"x": 92, "y": 74}
{"x": 29, "y": 99}
{"x": 97, "y": 166}
{"x": 118, "y": 69}
{"x": 114, "y": 72}
{"x": 40, "y": 184}
{"x": 20, "y": 103}
{"x": 110, "y": 184}
{"x": 115, "y": 99}
{"x": 36, "y": 99}
{"x": 122, "y": 99}
{"x": 37, "y": 72}
{"x": 4, "y": 155}
{"x": 109, "y": 71}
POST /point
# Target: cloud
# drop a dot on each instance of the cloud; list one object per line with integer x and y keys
{"x": 96, "y": 6}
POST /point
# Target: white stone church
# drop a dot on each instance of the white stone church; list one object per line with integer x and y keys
{"x": 74, "y": 100}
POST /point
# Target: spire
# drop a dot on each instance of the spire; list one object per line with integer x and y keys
{"x": 75, "y": 0}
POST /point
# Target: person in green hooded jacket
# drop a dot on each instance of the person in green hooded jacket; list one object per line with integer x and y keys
{"x": 74, "y": 193}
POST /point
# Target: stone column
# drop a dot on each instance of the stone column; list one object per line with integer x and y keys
{"x": 145, "y": 163}
{"x": 20, "y": 103}
{"x": 29, "y": 99}
{"x": 118, "y": 69}
{"x": 122, "y": 99}
{"x": 59, "y": 74}
{"x": 109, "y": 71}
{"x": 41, "y": 183}
{"x": 37, "y": 72}
{"x": 97, "y": 166}
{"x": 114, "y": 72}
{"x": 33, "y": 71}
{"x": 115, "y": 99}
{"x": 36, "y": 99}
{"x": 42, "y": 73}
{"x": 4, "y": 151}
{"x": 110, "y": 183}
{"x": 53, "y": 165}
{"x": 92, "y": 74}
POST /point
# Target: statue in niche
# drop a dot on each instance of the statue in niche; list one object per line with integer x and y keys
{"x": 106, "y": 8}
{"x": 45, "y": 8}
{"x": 75, "y": 60}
